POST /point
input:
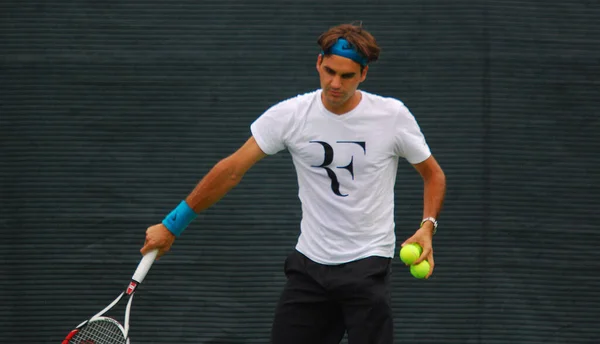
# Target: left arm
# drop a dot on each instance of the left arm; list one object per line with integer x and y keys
{"x": 434, "y": 191}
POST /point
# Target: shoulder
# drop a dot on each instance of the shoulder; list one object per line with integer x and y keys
{"x": 390, "y": 105}
{"x": 385, "y": 102}
{"x": 283, "y": 115}
{"x": 292, "y": 103}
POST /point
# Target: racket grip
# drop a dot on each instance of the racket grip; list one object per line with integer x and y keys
{"x": 144, "y": 266}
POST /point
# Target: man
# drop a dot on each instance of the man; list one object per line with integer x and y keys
{"x": 345, "y": 144}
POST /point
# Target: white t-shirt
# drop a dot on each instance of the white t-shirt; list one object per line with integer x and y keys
{"x": 346, "y": 167}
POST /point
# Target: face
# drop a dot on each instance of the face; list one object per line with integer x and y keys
{"x": 339, "y": 78}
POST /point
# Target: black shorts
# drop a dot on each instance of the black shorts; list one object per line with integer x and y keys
{"x": 319, "y": 303}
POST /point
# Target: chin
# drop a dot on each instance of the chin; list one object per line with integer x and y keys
{"x": 337, "y": 101}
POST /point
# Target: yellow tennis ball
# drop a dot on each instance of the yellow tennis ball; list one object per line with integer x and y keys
{"x": 420, "y": 270}
{"x": 410, "y": 252}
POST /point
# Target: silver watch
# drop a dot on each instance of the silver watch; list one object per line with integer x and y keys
{"x": 433, "y": 220}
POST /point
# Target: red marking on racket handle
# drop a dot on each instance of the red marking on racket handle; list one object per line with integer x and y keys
{"x": 131, "y": 287}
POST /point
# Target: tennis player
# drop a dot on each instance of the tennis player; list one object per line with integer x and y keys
{"x": 345, "y": 144}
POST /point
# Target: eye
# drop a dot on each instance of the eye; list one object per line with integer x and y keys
{"x": 347, "y": 76}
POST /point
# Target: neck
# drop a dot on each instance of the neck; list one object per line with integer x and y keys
{"x": 340, "y": 109}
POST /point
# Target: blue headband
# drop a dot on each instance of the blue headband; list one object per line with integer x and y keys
{"x": 345, "y": 49}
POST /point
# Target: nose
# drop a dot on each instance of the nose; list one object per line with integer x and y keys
{"x": 336, "y": 82}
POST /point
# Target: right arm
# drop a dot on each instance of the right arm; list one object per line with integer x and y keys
{"x": 223, "y": 177}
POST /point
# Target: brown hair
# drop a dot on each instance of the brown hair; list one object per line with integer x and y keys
{"x": 354, "y": 33}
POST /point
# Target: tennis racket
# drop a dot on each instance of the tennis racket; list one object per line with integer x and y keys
{"x": 104, "y": 330}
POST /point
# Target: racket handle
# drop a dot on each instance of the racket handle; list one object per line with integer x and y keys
{"x": 144, "y": 266}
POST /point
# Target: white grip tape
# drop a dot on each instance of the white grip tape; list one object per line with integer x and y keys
{"x": 144, "y": 266}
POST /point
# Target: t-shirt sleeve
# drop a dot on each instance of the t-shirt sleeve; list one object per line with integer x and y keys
{"x": 411, "y": 143}
{"x": 270, "y": 130}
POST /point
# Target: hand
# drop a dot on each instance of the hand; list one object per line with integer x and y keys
{"x": 158, "y": 236}
{"x": 424, "y": 237}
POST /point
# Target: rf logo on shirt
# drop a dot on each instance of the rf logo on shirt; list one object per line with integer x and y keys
{"x": 328, "y": 155}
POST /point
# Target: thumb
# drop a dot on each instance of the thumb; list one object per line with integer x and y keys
{"x": 408, "y": 241}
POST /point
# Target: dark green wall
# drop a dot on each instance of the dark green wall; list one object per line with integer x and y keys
{"x": 110, "y": 112}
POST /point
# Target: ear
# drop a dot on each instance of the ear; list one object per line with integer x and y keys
{"x": 319, "y": 61}
{"x": 363, "y": 76}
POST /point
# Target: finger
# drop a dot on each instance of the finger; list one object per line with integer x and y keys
{"x": 431, "y": 263}
{"x": 146, "y": 240}
{"x": 425, "y": 254}
{"x": 147, "y": 248}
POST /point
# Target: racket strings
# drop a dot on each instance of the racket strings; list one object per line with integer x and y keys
{"x": 101, "y": 331}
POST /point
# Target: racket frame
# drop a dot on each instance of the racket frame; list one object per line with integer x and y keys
{"x": 137, "y": 278}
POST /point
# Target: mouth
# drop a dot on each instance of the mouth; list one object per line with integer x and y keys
{"x": 336, "y": 94}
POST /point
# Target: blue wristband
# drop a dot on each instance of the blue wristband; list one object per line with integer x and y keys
{"x": 179, "y": 218}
